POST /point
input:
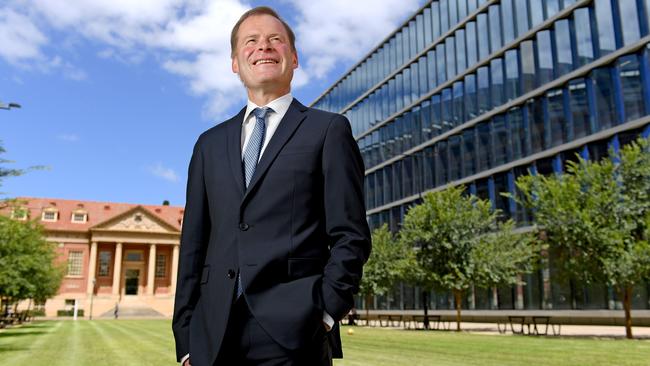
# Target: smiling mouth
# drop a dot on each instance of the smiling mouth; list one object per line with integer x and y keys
{"x": 265, "y": 61}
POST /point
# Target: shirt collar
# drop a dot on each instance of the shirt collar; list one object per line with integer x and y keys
{"x": 279, "y": 106}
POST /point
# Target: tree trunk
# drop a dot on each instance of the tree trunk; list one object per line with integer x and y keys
{"x": 458, "y": 296}
{"x": 425, "y": 301}
{"x": 627, "y": 305}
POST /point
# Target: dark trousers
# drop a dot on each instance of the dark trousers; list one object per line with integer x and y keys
{"x": 247, "y": 343}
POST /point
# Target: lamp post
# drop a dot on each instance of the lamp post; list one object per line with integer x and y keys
{"x": 9, "y": 105}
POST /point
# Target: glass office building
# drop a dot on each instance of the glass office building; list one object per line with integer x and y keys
{"x": 479, "y": 92}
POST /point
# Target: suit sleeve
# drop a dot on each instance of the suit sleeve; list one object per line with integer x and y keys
{"x": 194, "y": 239}
{"x": 345, "y": 218}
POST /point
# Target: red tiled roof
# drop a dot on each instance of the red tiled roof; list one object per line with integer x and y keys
{"x": 98, "y": 212}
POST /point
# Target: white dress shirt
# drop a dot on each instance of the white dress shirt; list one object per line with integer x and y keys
{"x": 279, "y": 107}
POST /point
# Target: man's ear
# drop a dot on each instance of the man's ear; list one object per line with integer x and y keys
{"x": 234, "y": 65}
{"x": 295, "y": 60}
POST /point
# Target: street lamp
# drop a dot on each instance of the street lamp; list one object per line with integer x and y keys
{"x": 9, "y": 106}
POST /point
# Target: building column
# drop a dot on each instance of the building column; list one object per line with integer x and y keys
{"x": 117, "y": 269}
{"x": 92, "y": 265}
{"x": 152, "y": 269}
{"x": 175, "y": 251}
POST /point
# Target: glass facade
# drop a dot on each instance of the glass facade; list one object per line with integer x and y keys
{"x": 481, "y": 92}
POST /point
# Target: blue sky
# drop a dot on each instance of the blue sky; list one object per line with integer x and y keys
{"x": 115, "y": 92}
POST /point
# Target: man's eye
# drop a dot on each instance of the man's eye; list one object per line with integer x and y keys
{"x": 250, "y": 41}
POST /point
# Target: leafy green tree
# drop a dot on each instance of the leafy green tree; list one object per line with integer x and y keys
{"x": 459, "y": 242}
{"x": 596, "y": 217}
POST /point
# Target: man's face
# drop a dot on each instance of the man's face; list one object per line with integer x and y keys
{"x": 263, "y": 54}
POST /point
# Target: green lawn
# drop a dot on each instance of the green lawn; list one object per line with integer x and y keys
{"x": 149, "y": 342}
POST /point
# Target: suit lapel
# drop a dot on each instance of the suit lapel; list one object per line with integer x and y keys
{"x": 291, "y": 120}
{"x": 234, "y": 149}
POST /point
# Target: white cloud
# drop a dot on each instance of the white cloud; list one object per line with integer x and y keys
{"x": 190, "y": 38}
{"x": 68, "y": 137}
{"x": 163, "y": 172}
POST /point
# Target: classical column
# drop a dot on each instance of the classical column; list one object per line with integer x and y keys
{"x": 117, "y": 269}
{"x": 152, "y": 269}
{"x": 91, "y": 268}
{"x": 175, "y": 250}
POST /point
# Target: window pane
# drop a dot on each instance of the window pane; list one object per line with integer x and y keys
{"x": 447, "y": 110}
{"x": 563, "y": 48}
{"x": 521, "y": 8}
{"x": 470, "y": 97}
{"x": 537, "y": 131}
{"x": 527, "y": 66}
{"x": 455, "y": 160}
{"x": 544, "y": 58}
{"x": 483, "y": 89}
{"x": 450, "y": 45}
{"x": 484, "y": 146}
{"x": 579, "y": 109}
{"x": 469, "y": 156}
{"x": 512, "y": 75}
{"x": 406, "y": 79}
{"x": 632, "y": 87}
{"x": 441, "y": 64}
{"x": 483, "y": 36}
{"x": 441, "y": 163}
{"x": 584, "y": 43}
{"x": 501, "y": 146}
{"x": 461, "y": 62}
{"x": 419, "y": 33}
{"x": 436, "y": 115}
{"x": 431, "y": 69}
{"x": 422, "y": 66}
{"x": 435, "y": 20}
{"x": 496, "y": 70}
{"x": 536, "y": 12}
{"x": 507, "y": 14}
{"x": 495, "y": 28}
{"x": 161, "y": 265}
{"x": 605, "y": 26}
{"x": 399, "y": 90}
{"x": 104, "y": 263}
{"x": 407, "y": 176}
{"x": 629, "y": 21}
{"x": 518, "y": 133}
{"x": 428, "y": 33}
{"x": 413, "y": 39}
{"x": 453, "y": 13}
{"x": 444, "y": 15}
{"x": 428, "y": 167}
{"x": 552, "y": 7}
{"x": 471, "y": 44}
{"x": 604, "y": 94}
{"x": 458, "y": 104}
{"x": 75, "y": 260}
{"x": 557, "y": 120}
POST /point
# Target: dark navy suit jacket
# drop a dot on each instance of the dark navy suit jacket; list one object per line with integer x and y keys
{"x": 298, "y": 234}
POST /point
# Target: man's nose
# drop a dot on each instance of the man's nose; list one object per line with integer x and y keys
{"x": 264, "y": 45}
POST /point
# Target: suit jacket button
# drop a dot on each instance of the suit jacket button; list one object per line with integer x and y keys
{"x": 243, "y": 226}
{"x": 231, "y": 274}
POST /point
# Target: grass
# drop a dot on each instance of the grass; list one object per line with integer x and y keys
{"x": 150, "y": 342}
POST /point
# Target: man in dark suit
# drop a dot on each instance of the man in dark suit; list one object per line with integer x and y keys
{"x": 274, "y": 233}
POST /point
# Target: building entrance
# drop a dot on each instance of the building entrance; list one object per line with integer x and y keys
{"x": 131, "y": 282}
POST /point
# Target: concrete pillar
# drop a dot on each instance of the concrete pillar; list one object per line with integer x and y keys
{"x": 117, "y": 269}
{"x": 152, "y": 269}
{"x": 175, "y": 251}
{"x": 92, "y": 265}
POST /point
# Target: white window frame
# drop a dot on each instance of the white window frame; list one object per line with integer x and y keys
{"x": 78, "y": 212}
{"x": 47, "y": 211}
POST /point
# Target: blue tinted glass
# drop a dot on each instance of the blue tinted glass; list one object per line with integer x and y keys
{"x": 537, "y": 130}
{"x": 483, "y": 36}
{"x": 469, "y": 153}
{"x": 422, "y": 66}
{"x": 444, "y": 16}
{"x": 428, "y": 33}
{"x": 470, "y": 97}
{"x": 441, "y": 163}
{"x": 428, "y": 168}
{"x": 536, "y": 12}
{"x": 521, "y": 8}
{"x": 399, "y": 45}
{"x": 495, "y": 28}
{"x": 407, "y": 86}
{"x": 563, "y": 54}
{"x": 470, "y": 32}
{"x": 483, "y": 75}
{"x": 484, "y": 146}
{"x": 419, "y": 32}
{"x": 462, "y": 9}
{"x": 384, "y": 102}
{"x": 527, "y": 53}
{"x": 393, "y": 53}
{"x": 604, "y": 95}
{"x": 447, "y": 109}
{"x": 425, "y": 123}
{"x": 435, "y": 20}
{"x": 392, "y": 95}
{"x": 632, "y": 87}
{"x": 496, "y": 72}
{"x": 460, "y": 51}
{"x": 441, "y": 64}
{"x": 415, "y": 82}
{"x": 459, "y": 104}
{"x": 413, "y": 39}
{"x": 556, "y": 117}
{"x": 579, "y": 105}
{"x": 552, "y": 7}
{"x": 407, "y": 176}
{"x": 512, "y": 75}
{"x": 517, "y": 133}
{"x": 605, "y": 26}
{"x": 544, "y": 58}
{"x": 436, "y": 115}
{"x": 629, "y": 21}
{"x": 455, "y": 160}
{"x": 431, "y": 69}
{"x": 453, "y": 13}
{"x": 399, "y": 91}
{"x": 397, "y": 180}
{"x": 471, "y": 5}
{"x": 451, "y": 57}
{"x": 584, "y": 43}
{"x": 501, "y": 143}
{"x": 508, "y": 17}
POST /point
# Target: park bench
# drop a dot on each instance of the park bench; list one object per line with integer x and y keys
{"x": 435, "y": 322}
{"x": 390, "y": 320}
{"x": 522, "y": 325}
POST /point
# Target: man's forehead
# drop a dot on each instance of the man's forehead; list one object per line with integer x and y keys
{"x": 261, "y": 23}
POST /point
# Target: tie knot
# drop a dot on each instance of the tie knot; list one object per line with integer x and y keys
{"x": 261, "y": 112}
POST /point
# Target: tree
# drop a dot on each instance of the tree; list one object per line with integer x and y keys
{"x": 27, "y": 269}
{"x": 596, "y": 218}
{"x": 459, "y": 242}
{"x": 387, "y": 264}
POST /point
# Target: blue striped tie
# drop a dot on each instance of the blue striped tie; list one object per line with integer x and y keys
{"x": 251, "y": 156}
